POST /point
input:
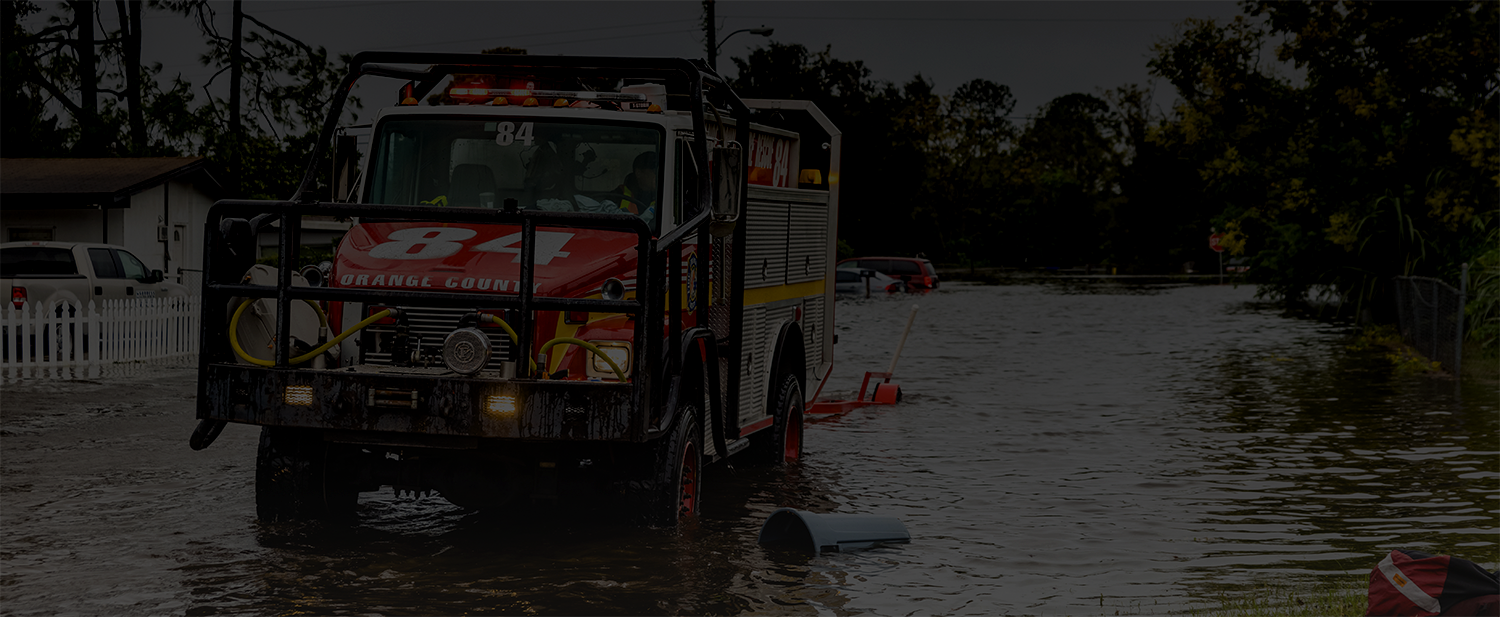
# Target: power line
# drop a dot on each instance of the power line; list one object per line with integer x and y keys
{"x": 611, "y": 38}
{"x": 509, "y": 37}
{"x": 498, "y": 37}
{"x": 338, "y": 5}
{"x": 962, "y": 19}
{"x": 552, "y": 43}
{"x": 260, "y": 11}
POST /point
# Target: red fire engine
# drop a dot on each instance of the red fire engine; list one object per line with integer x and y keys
{"x": 566, "y": 278}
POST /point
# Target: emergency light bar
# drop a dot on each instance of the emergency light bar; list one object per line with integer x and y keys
{"x": 583, "y": 95}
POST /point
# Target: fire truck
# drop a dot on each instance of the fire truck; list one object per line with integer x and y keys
{"x": 568, "y": 281}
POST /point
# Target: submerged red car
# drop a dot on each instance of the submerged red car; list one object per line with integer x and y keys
{"x": 917, "y": 273}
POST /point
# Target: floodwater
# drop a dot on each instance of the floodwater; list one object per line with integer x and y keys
{"x": 1061, "y": 449}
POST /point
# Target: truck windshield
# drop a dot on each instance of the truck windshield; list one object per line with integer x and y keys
{"x": 36, "y": 260}
{"x": 543, "y": 165}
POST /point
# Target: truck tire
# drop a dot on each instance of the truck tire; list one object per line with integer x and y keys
{"x": 677, "y": 489}
{"x": 783, "y": 442}
{"x": 293, "y": 479}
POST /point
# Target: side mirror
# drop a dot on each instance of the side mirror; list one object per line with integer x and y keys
{"x": 156, "y": 277}
{"x": 728, "y": 184}
{"x": 345, "y": 167}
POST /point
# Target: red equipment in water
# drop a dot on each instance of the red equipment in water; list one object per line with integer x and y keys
{"x": 886, "y": 393}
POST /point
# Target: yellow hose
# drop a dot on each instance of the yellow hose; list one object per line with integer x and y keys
{"x": 234, "y": 339}
{"x": 586, "y": 345}
{"x": 322, "y": 318}
{"x": 514, "y": 340}
{"x": 557, "y": 341}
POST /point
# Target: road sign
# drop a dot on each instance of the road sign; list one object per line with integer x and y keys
{"x": 1213, "y": 243}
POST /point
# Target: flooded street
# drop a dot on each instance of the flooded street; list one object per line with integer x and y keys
{"x": 1061, "y": 449}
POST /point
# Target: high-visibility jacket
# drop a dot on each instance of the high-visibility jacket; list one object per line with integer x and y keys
{"x": 648, "y": 213}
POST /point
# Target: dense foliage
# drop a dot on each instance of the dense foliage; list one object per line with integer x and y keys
{"x": 1378, "y": 160}
{"x": 964, "y": 179}
{"x": 67, "y": 93}
{"x": 1335, "y": 144}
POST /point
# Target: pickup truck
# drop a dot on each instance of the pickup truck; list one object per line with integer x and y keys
{"x": 77, "y": 272}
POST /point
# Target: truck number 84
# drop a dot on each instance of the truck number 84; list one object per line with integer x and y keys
{"x": 440, "y": 242}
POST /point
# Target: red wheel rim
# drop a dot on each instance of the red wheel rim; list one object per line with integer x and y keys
{"x": 687, "y": 493}
{"x": 793, "y": 440}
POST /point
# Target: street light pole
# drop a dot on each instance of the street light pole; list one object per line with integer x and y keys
{"x": 762, "y": 31}
{"x": 710, "y": 32}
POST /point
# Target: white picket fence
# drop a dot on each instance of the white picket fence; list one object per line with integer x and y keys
{"x": 61, "y": 334}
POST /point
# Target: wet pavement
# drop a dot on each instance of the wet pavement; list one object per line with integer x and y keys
{"x": 1063, "y": 448}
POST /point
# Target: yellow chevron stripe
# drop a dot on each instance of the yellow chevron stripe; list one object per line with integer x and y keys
{"x": 784, "y": 292}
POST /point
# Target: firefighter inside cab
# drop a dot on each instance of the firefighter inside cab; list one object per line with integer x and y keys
{"x": 639, "y": 188}
{"x": 543, "y": 163}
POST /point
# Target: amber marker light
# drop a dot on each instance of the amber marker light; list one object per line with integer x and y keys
{"x": 299, "y": 395}
{"x": 500, "y": 405}
{"x": 619, "y": 351}
{"x": 529, "y": 102}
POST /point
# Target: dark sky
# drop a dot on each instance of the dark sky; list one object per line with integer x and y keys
{"x": 1040, "y": 49}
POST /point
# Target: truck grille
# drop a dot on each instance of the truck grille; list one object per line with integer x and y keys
{"x": 432, "y": 325}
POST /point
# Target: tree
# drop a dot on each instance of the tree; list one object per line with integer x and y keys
{"x": 280, "y": 88}
{"x": 962, "y": 139}
{"x": 1375, "y": 165}
{"x": 1156, "y": 221}
{"x": 29, "y": 129}
{"x": 1068, "y": 166}
{"x": 112, "y": 104}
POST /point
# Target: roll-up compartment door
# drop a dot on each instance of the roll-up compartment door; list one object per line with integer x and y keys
{"x": 807, "y": 243}
{"x": 765, "y": 244}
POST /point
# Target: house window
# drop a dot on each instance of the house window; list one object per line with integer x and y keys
{"x": 30, "y": 234}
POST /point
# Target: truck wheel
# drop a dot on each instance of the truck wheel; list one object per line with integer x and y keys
{"x": 783, "y": 442}
{"x": 678, "y": 487}
{"x": 292, "y": 479}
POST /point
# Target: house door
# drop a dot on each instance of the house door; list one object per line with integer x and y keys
{"x": 178, "y": 245}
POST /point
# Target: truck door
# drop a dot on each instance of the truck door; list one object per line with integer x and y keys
{"x": 136, "y": 276}
{"x": 109, "y": 278}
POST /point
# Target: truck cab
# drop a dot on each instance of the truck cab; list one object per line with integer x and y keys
{"x": 42, "y": 273}
{"x": 565, "y": 292}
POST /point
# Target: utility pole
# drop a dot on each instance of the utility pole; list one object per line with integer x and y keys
{"x": 710, "y": 35}
{"x": 236, "y": 74}
{"x": 130, "y": 22}
{"x": 89, "y": 135}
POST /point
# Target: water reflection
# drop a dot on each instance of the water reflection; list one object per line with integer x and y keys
{"x": 1323, "y": 459}
{"x": 421, "y": 555}
{"x": 17, "y": 375}
{"x": 1066, "y": 448}
{"x": 1120, "y": 446}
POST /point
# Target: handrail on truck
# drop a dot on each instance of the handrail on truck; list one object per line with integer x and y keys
{"x": 654, "y": 254}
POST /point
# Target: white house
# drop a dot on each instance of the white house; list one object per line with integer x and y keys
{"x": 156, "y": 207}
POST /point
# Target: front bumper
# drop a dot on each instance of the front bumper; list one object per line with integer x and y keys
{"x": 418, "y": 402}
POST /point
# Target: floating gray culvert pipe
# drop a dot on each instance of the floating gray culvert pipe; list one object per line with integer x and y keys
{"x": 830, "y": 532}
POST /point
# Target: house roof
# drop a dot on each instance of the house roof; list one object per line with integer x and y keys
{"x": 87, "y": 183}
